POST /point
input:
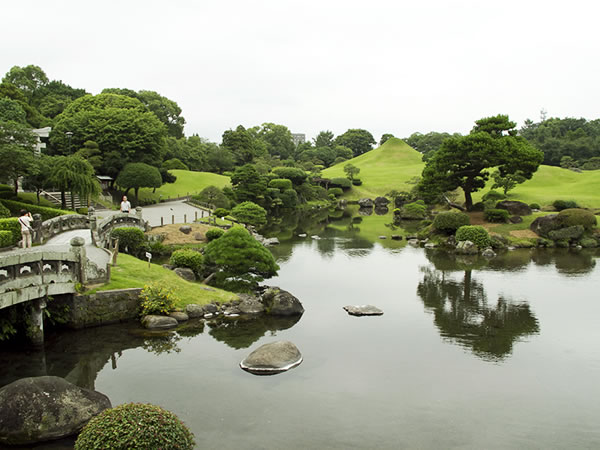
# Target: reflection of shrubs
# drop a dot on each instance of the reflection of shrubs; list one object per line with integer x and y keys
{"x": 450, "y": 221}
{"x": 187, "y": 258}
{"x": 496, "y": 215}
{"x": 575, "y": 216}
{"x": 157, "y": 299}
{"x": 336, "y": 191}
{"x": 559, "y": 205}
{"x": 214, "y": 233}
{"x": 414, "y": 211}
{"x": 474, "y": 233}
{"x": 135, "y": 426}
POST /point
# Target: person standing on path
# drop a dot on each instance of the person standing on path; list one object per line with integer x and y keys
{"x": 125, "y": 205}
{"x": 26, "y": 231}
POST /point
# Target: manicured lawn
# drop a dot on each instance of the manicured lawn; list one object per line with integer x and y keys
{"x": 388, "y": 167}
{"x": 131, "y": 272}
{"x": 187, "y": 183}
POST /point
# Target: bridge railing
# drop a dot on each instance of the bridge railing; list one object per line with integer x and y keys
{"x": 101, "y": 231}
{"x": 51, "y": 227}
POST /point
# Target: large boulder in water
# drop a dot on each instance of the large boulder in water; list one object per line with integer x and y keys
{"x": 272, "y": 358}
{"x": 39, "y": 409}
{"x": 380, "y": 202}
{"x": 515, "y": 208}
{"x": 281, "y": 303}
{"x": 365, "y": 203}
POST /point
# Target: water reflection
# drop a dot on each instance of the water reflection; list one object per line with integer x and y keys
{"x": 242, "y": 332}
{"x": 463, "y": 315}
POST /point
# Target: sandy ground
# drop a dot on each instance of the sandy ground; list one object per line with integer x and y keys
{"x": 174, "y": 236}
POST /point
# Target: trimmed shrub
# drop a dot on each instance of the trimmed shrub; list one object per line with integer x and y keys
{"x": 343, "y": 183}
{"x": 493, "y": 195}
{"x": 568, "y": 233}
{"x": 336, "y": 191}
{"x": 496, "y": 215}
{"x": 135, "y": 426}
{"x": 535, "y": 206}
{"x": 12, "y": 224}
{"x": 587, "y": 242}
{"x": 356, "y": 182}
{"x": 4, "y": 211}
{"x": 474, "y": 233}
{"x": 174, "y": 163}
{"x": 214, "y": 233}
{"x": 576, "y": 216}
{"x": 559, "y": 205}
{"x": 221, "y": 212}
{"x": 450, "y": 221}
{"x": 46, "y": 213}
{"x": 413, "y": 211}
{"x": 289, "y": 197}
{"x": 130, "y": 238}
{"x": 187, "y": 258}
{"x": 297, "y": 176}
{"x": 6, "y": 238}
{"x": 280, "y": 183}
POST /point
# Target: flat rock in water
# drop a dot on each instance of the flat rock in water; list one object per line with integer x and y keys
{"x": 152, "y": 322}
{"x": 179, "y": 316}
{"x": 39, "y": 409}
{"x": 364, "y": 310}
{"x": 272, "y": 358}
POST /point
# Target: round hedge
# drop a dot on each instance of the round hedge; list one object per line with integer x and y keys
{"x": 214, "y": 233}
{"x": 575, "y": 216}
{"x": 450, "y": 221}
{"x": 496, "y": 215}
{"x": 130, "y": 238}
{"x": 474, "y": 233}
{"x": 187, "y": 258}
{"x": 135, "y": 426}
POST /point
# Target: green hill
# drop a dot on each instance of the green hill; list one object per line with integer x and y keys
{"x": 388, "y": 167}
{"x": 188, "y": 182}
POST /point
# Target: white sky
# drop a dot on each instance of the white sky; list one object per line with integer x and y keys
{"x": 386, "y": 66}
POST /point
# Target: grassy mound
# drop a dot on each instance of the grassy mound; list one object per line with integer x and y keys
{"x": 388, "y": 167}
{"x": 131, "y": 272}
{"x": 187, "y": 183}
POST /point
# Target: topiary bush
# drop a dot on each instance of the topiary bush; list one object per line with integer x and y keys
{"x": 567, "y": 234}
{"x": 12, "y": 224}
{"x": 131, "y": 239}
{"x": 357, "y": 182}
{"x": 4, "y": 211}
{"x": 135, "y": 426}
{"x": 535, "y": 206}
{"x": 576, "y": 216}
{"x": 559, "y": 205}
{"x": 221, "y": 212}
{"x": 280, "y": 183}
{"x": 214, "y": 233}
{"x": 6, "y": 239}
{"x": 474, "y": 233}
{"x": 496, "y": 215}
{"x": 336, "y": 191}
{"x": 587, "y": 242}
{"x": 450, "y": 221}
{"x": 343, "y": 183}
{"x": 187, "y": 258}
{"x": 414, "y": 211}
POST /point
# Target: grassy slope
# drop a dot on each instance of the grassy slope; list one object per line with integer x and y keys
{"x": 187, "y": 183}
{"x": 382, "y": 169}
{"x": 131, "y": 272}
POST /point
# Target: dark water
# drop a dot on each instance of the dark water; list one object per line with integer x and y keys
{"x": 470, "y": 354}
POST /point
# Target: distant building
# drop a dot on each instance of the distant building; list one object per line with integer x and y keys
{"x": 298, "y": 138}
{"x": 42, "y": 137}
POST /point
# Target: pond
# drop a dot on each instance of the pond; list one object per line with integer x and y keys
{"x": 470, "y": 353}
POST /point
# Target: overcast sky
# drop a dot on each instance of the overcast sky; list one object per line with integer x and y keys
{"x": 386, "y": 66}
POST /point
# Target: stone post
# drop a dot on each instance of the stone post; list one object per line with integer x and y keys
{"x": 35, "y": 331}
{"x": 78, "y": 248}
{"x": 138, "y": 212}
{"x": 37, "y": 228}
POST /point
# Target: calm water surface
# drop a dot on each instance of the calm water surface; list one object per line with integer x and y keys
{"x": 469, "y": 354}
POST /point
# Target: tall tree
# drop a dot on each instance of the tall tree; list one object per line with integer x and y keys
{"x": 75, "y": 174}
{"x": 28, "y": 79}
{"x": 240, "y": 143}
{"x": 466, "y": 161}
{"x": 278, "y": 140}
{"x": 324, "y": 139}
{"x": 358, "y": 140}
{"x": 137, "y": 175}
{"x": 16, "y": 151}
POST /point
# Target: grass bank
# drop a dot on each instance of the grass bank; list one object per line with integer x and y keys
{"x": 131, "y": 272}
{"x": 188, "y": 182}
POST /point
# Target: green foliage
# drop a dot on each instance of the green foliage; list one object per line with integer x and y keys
{"x": 250, "y": 213}
{"x": 559, "y": 205}
{"x": 221, "y": 212}
{"x": 187, "y": 258}
{"x": 351, "y": 171}
{"x": 343, "y": 183}
{"x": 450, "y": 221}
{"x": 358, "y": 140}
{"x": 474, "y": 233}
{"x": 135, "y": 426}
{"x": 6, "y": 238}
{"x": 46, "y": 213}
{"x": 336, "y": 191}
{"x": 575, "y": 216}
{"x": 592, "y": 164}
{"x": 289, "y": 198}
{"x": 493, "y": 195}
{"x": 508, "y": 181}
{"x": 357, "y": 182}
{"x": 429, "y": 143}
{"x": 214, "y": 233}
{"x": 12, "y": 224}
{"x": 535, "y": 206}
{"x": 414, "y": 211}
{"x": 130, "y": 239}
{"x": 569, "y": 233}
{"x": 213, "y": 196}
{"x": 248, "y": 184}
{"x": 280, "y": 183}
{"x": 4, "y": 212}
{"x": 137, "y": 175}
{"x": 239, "y": 260}
{"x": 174, "y": 163}
{"x": 587, "y": 242}
{"x": 157, "y": 299}
{"x": 496, "y": 215}
{"x": 295, "y": 175}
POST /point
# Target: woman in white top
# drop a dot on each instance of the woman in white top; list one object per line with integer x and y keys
{"x": 26, "y": 231}
{"x": 125, "y": 205}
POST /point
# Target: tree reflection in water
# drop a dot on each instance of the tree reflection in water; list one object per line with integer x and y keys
{"x": 463, "y": 315}
{"x": 242, "y": 332}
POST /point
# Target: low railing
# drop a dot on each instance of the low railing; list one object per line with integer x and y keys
{"x": 101, "y": 231}
{"x": 51, "y": 227}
